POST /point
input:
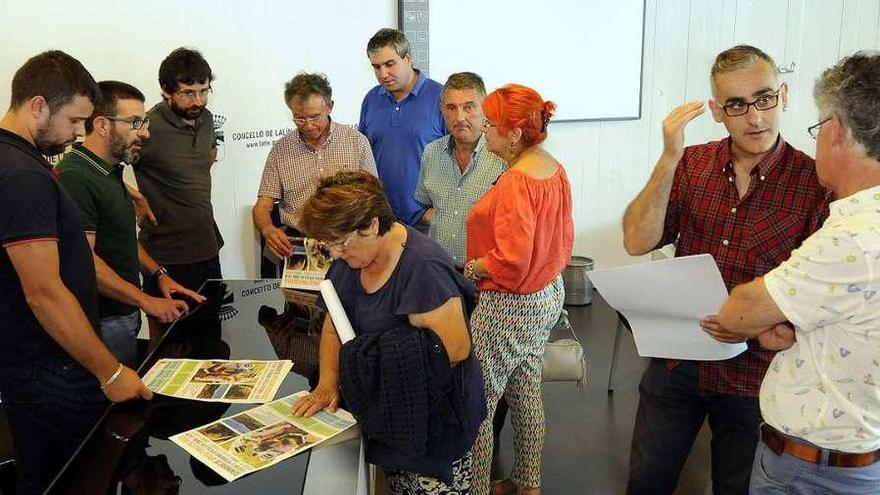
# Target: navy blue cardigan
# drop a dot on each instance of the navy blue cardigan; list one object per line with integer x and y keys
{"x": 416, "y": 412}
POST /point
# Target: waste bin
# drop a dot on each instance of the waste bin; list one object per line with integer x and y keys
{"x": 578, "y": 287}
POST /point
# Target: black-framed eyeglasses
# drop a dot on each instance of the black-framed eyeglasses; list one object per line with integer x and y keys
{"x": 763, "y": 102}
{"x": 136, "y": 123}
{"x": 813, "y": 130}
{"x": 190, "y": 94}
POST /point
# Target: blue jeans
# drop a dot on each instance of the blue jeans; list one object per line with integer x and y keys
{"x": 51, "y": 407}
{"x": 672, "y": 408}
{"x": 784, "y": 473}
{"x": 119, "y": 334}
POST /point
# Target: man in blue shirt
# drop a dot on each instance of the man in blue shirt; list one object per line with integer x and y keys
{"x": 399, "y": 117}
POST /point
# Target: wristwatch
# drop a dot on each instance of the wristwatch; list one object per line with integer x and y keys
{"x": 159, "y": 272}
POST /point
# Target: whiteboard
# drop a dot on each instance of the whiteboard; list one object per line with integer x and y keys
{"x": 586, "y": 55}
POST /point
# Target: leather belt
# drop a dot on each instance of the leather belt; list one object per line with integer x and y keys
{"x": 779, "y": 444}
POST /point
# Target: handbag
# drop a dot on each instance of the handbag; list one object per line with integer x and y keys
{"x": 564, "y": 359}
{"x": 295, "y": 334}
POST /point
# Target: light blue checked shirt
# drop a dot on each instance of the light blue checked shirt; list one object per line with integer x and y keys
{"x": 451, "y": 193}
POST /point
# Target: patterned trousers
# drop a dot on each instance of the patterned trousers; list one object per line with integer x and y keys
{"x": 408, "y": 483}
{"x": 509, "y": 335}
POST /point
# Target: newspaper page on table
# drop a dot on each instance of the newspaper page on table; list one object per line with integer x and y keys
{"x": 215, "y": 380}
{"x": 260, "y": 437}
{"x": 306, "y": 267}
{"x": 664, "y": 302}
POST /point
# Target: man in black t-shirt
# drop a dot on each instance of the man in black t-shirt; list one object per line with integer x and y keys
{"x": 53, "y": 366}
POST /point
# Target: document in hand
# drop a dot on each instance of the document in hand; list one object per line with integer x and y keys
{"x": 664, "y": 302}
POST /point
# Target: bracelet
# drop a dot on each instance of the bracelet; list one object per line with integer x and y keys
{"x": 159, "y": 272}
{"x": 113, "y": 377}
{"x": 469, "y": 270}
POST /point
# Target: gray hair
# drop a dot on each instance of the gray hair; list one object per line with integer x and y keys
{"x": 389, "y": 37}
{"x": 850, "y": 91}
{"x": 465, "y": 80}
{"x": 304, "y": 85}
{"x": 738, "y": 58}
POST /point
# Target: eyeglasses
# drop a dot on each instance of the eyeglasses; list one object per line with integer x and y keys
{"x": 338, "y": 246}
{"x": 763, "y": 102}
{"x": 307, "y": 120}
{"x": 190, "y": 94}
{"x": 487, "y": 124}
{"x": 813, "y": 130}
{"x": 137, "y": 123}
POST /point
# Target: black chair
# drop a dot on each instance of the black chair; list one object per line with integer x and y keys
{"x": 622, "y": 324}
{"x": 270, "y": 265}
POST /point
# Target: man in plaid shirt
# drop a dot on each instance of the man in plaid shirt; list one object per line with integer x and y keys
{"x": 748, "y": 200}
{"x": 318, "y": 147}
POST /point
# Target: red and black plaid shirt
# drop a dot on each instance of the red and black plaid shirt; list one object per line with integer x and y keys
{"x": 747, "y": 237}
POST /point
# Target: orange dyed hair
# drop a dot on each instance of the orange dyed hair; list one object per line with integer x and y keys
{"x": 516, "y": 106}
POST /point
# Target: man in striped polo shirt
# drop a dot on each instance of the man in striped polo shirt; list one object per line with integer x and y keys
{"x": 92, "y": 174}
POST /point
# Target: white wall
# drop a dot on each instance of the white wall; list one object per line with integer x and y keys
{"x": 609, "y": 162}
{"x": 253, "y": 47}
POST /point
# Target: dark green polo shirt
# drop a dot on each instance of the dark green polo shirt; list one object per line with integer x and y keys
{"x": 174, "y": 173}
{"x": 107, "y": 211}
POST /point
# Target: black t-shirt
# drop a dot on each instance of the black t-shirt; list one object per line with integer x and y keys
{"x": 33, "y": 206}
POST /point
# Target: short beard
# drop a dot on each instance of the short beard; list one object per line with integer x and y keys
{"x": 186, "y": 113}
{"x": 120, "y": 152}
{"x": 45, "y": 147}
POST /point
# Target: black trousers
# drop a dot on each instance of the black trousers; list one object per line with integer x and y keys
{"x": 51, "y": 407}
{"x": 672, "y": 408}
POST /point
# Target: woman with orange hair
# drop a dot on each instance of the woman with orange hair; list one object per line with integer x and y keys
{"x": 520, "y": 236}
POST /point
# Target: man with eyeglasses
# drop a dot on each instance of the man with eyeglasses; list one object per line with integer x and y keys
{"x": 748, "y": 200}
{"x": 91, "y": 172}
{"x": 819, "y": 398}
{"x": 318, "y": 147}
{"x": 174, "y": 173}
{"x": 400, "y": 116}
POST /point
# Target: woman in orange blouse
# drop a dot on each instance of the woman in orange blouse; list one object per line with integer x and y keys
{"x": 519, "y": 238}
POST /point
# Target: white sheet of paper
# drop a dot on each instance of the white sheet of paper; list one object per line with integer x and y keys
{"x": 664, "y": 302}
{"x": 337, "y": 312}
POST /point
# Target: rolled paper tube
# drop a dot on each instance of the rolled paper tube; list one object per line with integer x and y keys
{"x": 337, "y": 312}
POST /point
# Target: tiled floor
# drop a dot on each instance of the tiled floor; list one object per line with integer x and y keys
{"x": 588, "y": 431}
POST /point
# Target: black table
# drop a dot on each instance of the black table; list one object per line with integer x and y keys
{"x": 242, "y": 319}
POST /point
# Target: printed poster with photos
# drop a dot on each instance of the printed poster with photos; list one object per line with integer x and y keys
{"x": 306, "y": 267}
{"x": 260, "y": 437}
{"x": 215, "y": 380}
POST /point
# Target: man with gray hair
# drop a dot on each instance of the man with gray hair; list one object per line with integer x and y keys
{"x": 747, "y": 200}
{"x": 400, "y": 116}
{"x": 819, "y": 398}
{"x": 318, "y": 147}
{"x": 457, "y": 169}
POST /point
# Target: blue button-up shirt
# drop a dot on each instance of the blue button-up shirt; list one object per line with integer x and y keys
{"x": 398, "y": 132}
{"x": 452, "y": 193}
